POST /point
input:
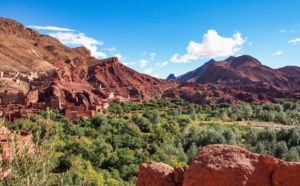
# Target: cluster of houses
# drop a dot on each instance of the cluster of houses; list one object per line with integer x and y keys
{"x": 28, "y": 76}
{"x": 12, "y": 106}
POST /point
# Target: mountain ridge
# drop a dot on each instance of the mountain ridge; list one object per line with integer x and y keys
{"x": 77, "y": 77}
{"x": 241, "y": 71}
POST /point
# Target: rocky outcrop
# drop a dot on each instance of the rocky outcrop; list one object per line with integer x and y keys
{"x": 229, "y": 165}
{"x": 153, "y": 173}
{"x": 225, "y": 165}
{"x": 286, "y": 174}
{"x": 116, "y": 77}
{"x": 31, "y": 97}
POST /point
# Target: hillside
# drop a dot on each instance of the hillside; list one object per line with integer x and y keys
{"x": 75, "y": 74}
{"x": 190, "y": 76}
{"x": 291, "y": 71}
{"x": 114, "y": 76}
{"x": 243, "y": 71}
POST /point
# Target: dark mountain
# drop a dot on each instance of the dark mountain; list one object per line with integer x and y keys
{"x": 171, "y": 77}
{"x": 190, "y": 76}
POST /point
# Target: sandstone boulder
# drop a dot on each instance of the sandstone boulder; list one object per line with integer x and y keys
{"x": 152, "y": 173}
{"x": 229, "y": 165}
{"x": 287, "y": 174}
{"x": 178, "y": 174}
{"x": 223, "y": 165}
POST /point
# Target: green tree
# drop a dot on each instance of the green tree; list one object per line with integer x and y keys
{"x": 280, "y": 150}
{"x": 191, "y": 153}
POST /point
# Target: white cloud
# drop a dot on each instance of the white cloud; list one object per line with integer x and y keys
{"x": 282, "y": 31}
{"x": 129, "y": 63}
{"x": 294, "y": 41}
{"x": 155, "y": 75}
{"x": 152, "y": 55}
{"x": 113, "y": 49}
{"x": 53, "y": 28}
{"x": 148, "y": 71}
{"x": 250, "y": 43}
{"x": 160, "y": 65}
{"x": 277, "y": 53}
{"x": 119, "y": 56}
{"x": 213, "y": 45}
{"x": 70, "y": 38}
{"x": 143, "y": 63}
{"x": 144, "y": 53}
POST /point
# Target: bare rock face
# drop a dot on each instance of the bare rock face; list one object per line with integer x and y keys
{"x": 31, "y": 97}
{"x": 229, "y": 165}
{"x": 116, "y": 77}
{"x": 153, "y": 173}
{"x": 223, "y": 165}
{"x": 178, "y": 174}
{"x": 287, "y": 174}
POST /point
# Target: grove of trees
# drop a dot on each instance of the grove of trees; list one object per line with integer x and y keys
{"x": 108, "y": 148}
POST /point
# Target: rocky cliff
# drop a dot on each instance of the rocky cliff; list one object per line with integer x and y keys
{"x": 72, "y": 73}
{"x": 222, "y": 165}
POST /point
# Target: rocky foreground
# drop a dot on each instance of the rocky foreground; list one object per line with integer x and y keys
{"x": 222, "y": 165}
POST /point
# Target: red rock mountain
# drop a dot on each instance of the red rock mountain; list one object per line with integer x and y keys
{"x": 222, "y": 165}
{"x": 291, "y": 71}
{"x": 190, "y": 76}
{"x": 76, "y": 76}
{"x": 114, "y": 76}
{"x": 243, "y": 71}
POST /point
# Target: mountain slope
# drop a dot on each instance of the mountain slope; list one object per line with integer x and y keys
{"x": 241, "y": 71}
{"x": 293, "y": 71}
{"x": 114, "y": 76}
{"x": 190, "y": 76}
{"x": 75, "y": 74}
{"x": 23, "y": 49}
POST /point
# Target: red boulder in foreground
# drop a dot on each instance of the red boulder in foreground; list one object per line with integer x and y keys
{"x": 153, "y": 173}
{"x": 223, "y": 165}
{"x": 230, "y": 165}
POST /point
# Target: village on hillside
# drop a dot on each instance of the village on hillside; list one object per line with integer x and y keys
{"x": 13, "y": 103}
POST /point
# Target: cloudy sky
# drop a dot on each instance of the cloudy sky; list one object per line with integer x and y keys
{"x": 159, "y": 37}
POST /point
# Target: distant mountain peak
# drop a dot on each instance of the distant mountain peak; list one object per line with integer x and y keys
{"x": 230, "y": 58}
{"x": 244, "y": 60}
{"x": 171, "y": 77}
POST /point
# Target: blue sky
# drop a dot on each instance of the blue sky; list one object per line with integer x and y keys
{"x": 159, "y": 37}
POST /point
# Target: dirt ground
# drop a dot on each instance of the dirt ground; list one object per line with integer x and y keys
{"x": 254, "y": 124}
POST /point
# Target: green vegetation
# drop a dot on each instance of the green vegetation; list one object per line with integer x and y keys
{"x": 107, "y": 149}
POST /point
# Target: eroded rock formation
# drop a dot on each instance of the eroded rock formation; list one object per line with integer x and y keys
{"x": 223, "y": 165}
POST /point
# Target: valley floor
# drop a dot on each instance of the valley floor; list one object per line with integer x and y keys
{"x": 253, "y": 124}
